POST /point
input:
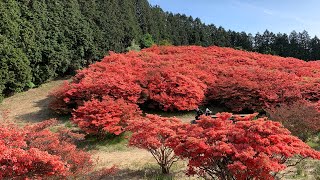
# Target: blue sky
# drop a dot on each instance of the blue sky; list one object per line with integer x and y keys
{"x": 251, "y": 16}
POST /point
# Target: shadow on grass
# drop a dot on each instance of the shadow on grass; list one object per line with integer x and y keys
{"x": 43, "y": 114}
{"x": 33, "y": 105}
{"x": 108, "y": 143}
{"x": 148, "y": 173}
{"x": 185, "y": 116}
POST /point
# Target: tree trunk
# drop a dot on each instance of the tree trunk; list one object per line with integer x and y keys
{"x": 165, "y": 170}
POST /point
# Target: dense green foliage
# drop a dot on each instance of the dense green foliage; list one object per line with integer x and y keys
{"x": 44, "y": 39}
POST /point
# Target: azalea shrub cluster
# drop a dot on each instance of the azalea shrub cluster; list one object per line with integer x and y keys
{"x": 107, "y": 115}
{"x": 242, "y": 148}
{"x": 222, "y": 148}
{"x": 182, "y": 78}
{"x": 35, "y": 152}
{"x": 301, "y": 118}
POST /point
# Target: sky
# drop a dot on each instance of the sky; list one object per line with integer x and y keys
{"x": 251, "y": 16}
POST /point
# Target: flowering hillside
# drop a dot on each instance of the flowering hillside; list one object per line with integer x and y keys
{"x": 181, "y": 78}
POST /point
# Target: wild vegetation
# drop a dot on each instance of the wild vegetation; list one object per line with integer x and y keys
{"x": 105, "y": 101}
{"x": 241, "y": 148}
{"x": 105, "y": 116}
{"x": 301, "y": 118}
{"x": 183, "y": 78}
{"x": 34, "y": 151}
{"x": 41, "y": 40}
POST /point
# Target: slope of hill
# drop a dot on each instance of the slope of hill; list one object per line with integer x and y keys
{"x": 241, "y": 78}
{"x": 182, "y": 78}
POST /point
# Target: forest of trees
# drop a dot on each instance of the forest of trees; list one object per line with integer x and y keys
{"x": 43, "y": 39}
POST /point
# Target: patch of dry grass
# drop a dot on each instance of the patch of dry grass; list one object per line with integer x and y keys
{"x": 32, "y": 105}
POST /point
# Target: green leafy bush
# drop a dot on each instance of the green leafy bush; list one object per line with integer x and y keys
{"x": 133, "y": 46}
{"x": 147, "y": 40}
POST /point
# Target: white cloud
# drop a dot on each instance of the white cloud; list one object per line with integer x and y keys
{"x": 269, "y": 12}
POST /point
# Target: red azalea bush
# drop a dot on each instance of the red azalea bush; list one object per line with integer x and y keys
{"x": 60, "y": 102}
{"x": 238, "y": 149}
{"x": 36, "y": 152}
{"x": 254, "y": 88}
{"x": 310, "y": 88}
{"x": 181, "y": 78}
{"x": 152, "y": 133}
{"x": 301, "y": 118}
{"x": 105, "y": 116}
{"x": 172, "y": 90}
{"x": 115, "y": 76}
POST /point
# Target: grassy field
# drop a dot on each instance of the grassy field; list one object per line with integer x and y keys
{"x": 133, "y": 163}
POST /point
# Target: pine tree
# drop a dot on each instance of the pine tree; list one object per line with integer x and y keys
{"x": 15, "y": 72}
{"x": 143, "y": 15}
{"x": 294, "y": 44}
{"x": 129, "y": 21}
{"x": 78, "y": 35}
{"x": 315, "y": 48}
{"x": 281, "y": 44}
{"x": 304, "y": 45}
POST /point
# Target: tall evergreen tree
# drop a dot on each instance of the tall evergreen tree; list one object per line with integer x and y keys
{"x": 315, "y": 48}
{"x": 128, "y": 19}
{"x": 281, "y": 44}
{"x": 304, "y": 45}
{"x": 15, "y": 71}
{"x": 294, "y": 44}
{"x": 78, "y": 36}
{"x": 143, "y": 14}
{"x": 223, "y": 38}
